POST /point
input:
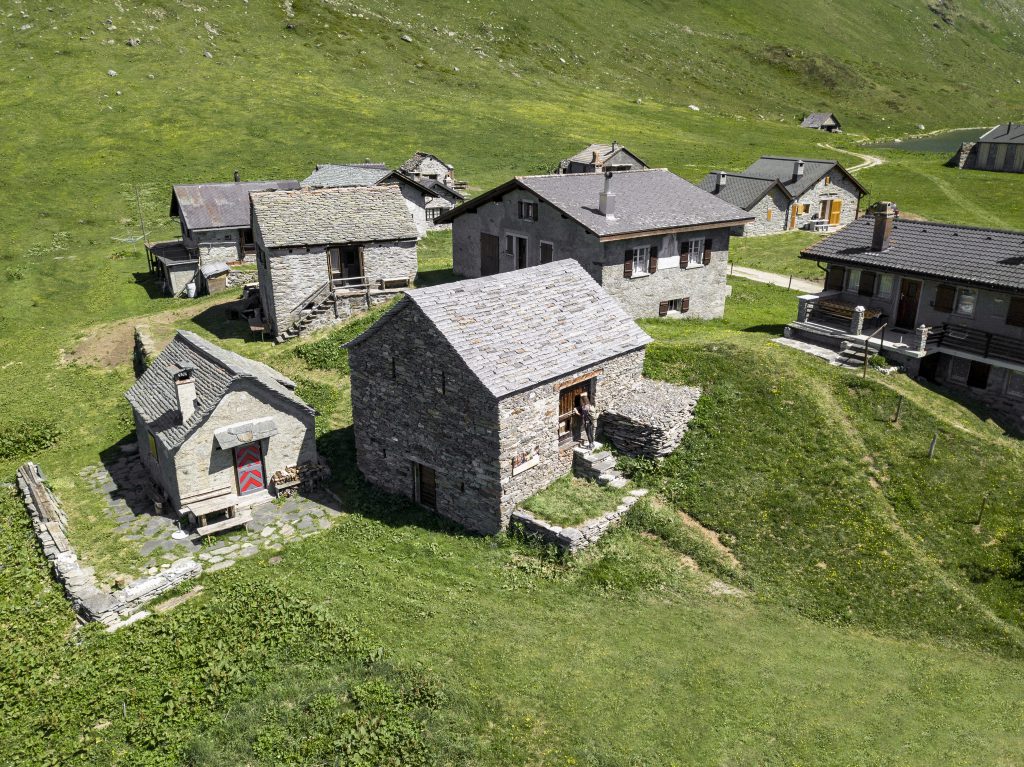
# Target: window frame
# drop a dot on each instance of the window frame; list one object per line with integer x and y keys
{"x": 698, "y": 251}
{"x": 643, "y": 251}
{"x": 954, "y": 375}
{"x": 512, "y": 238}
{"x": 527, "y": 210}
{"x": 960, "y": 291}
{"x": 551, "y": 246}
{"x": 880, "y": 290}
{"x": 852, "y": 284}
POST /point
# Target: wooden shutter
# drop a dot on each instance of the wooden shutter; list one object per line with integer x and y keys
{"x": 663, "y": 309}
{"x": 945, "y": 295}
{"x": 627, "y": 265}
{"x": 835, "y": 278}
{"x": 653, "y": 265}
{"x": 1015, "y": 314}
{"x": 685, "y": 305}
{"x": 867, "y": 283}
{"x": 707, "y": 252}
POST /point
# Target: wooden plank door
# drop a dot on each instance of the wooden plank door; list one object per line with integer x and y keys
{"x": 490, "y": 246}
{"x": 906, "y": 310}
{"x": 792, "y": 216}
{"x": 425, "y": 479}
{"x": 249, "y": 468}
{"x": 833, "y": 212}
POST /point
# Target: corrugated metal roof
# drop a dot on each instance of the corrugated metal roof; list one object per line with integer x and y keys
{"x": 219, "y": 206}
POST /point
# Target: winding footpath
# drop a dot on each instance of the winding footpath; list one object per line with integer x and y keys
{"x": 781, "y": 280}
{"x": 866, "y": 160}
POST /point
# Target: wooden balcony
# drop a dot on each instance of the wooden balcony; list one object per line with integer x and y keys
{"x": 977, "y": 342}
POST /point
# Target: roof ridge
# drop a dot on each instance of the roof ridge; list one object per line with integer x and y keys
{"x": 803, "y": 159}
{"x": 595, "y": 173}
{"x": 968, "y": 227}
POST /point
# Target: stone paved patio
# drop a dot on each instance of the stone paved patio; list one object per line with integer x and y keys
{"x": 124, "y": 486}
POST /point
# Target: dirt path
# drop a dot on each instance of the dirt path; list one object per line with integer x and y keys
{"x": 866, "y": 160}
{"x": 782, "y": 280}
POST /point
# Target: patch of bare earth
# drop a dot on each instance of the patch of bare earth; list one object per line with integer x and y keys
{"x": 111, "y": 344}
{"x": 712, "y": 537}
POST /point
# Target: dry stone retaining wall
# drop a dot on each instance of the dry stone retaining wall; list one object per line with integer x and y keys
{"x": 652, "y": 420}
{"x": 570, "y": 540}
{"x": 88, "y": 600}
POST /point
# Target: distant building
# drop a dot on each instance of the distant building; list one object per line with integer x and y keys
{"x": 656, "y": 243}
{"x": 424, "y": 166}
{"x": 601, "y": 157}
{"x": 825, "y": 121}
{"x": 784, "y": 193}
{"x": 1000, "y": 149}
{"x": 951, "y": 299}
{"x": 463, "y": 395}
{"x": 219, "y": 433}
{"x": 324, "y": 253}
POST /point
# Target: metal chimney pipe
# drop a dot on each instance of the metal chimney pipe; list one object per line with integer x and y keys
{"x": 606, "y": 202}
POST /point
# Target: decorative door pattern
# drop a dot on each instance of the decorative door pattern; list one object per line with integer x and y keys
{"x": 249, "y": 465}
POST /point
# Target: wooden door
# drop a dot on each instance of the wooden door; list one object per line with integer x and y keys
{"x": 906, "y": 310}
{"x": 425, "y": 485}
{"x": 567, "y": 418}
{"x": 489, "y": 259}
{"x": 334, "y": 263}
{"x": 249, "y": 468}
{"x": 351, "y": 262}
{"x": 792, "y": 216}
{"x": 833, "y": 212}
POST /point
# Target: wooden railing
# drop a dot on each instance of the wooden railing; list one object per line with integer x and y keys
{"x": 978, "y": 342}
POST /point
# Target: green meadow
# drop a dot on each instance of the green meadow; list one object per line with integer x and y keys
{"x": 865, "y": 615}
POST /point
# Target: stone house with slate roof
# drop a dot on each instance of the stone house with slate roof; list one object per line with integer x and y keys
{"x": 1000, "y": 149}
{"x": 825, "y": 121}
{"x": 217, "y": 432}
{"x": 602, "y": 157}
{"x": 463, "y": 394}
{"x": 951, "y": 299}
{"x": 424, "y": 166}
{"x": 820, "y": 195}
{"x": 426, "y": 199}
{"x": 656, "y": 243}
{"x": 323, "y": 254}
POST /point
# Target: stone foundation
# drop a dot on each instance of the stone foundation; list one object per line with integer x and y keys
{"x": 651, "y": 420}
{"x": 88, "y": 600}
{"x": 570, "y": 540}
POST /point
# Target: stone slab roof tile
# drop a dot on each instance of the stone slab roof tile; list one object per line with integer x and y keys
{"x": 363, "y": 174}
{"x": 817, "y": 119}
{"x": 987, "y": 257}
{"x": 782, "y": 168}
{"x": 741, "y": 190}
{"x": 154, "y": 396}
{"x": 332, "y": 216}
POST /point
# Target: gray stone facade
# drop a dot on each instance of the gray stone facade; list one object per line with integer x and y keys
{"x": 771, "y": 215}
{"x": 641, "y": 295}
{"x": 833, "y": 188}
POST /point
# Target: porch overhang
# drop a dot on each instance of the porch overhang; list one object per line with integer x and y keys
{"x": 244, "y": 432}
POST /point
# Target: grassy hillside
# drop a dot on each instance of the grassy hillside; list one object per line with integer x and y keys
{"x": 877, "y": 623}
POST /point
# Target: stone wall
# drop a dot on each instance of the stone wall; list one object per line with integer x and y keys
{"x": 144, "y": 350}
{"x": 529, "y": 426}
{"x": 840, "y": 187}
{"x": 88, "y": 600}
{"x": 214, "y": 245}
{"x": 389, "y": 261}
{"x": 651, "y": 420}
{"x": 777, "y": 205}
{"x": 415, "y": 401}
{"x": 570, "y": 540}
{"x": 993, "y": 395}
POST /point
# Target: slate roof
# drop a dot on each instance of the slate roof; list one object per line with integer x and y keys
{"x": 645, "y": 200}
{"x": 426, "y": 185}
{"x": 361, "y": 174}
{"x": 154, "y": 396}
{"x": 1010, "y": 133}
{"x": 586, "y": 156}
{"x": 413, "y": 163}
{"x": 741, "y": 190}
{"x": 818, "y": 119}
{"x": 219, "y": 206}
{"x": 332, "y": 216}
{"x": 988, "y": 257}
{"x": 782, "y": 168}
{"x": 519, "y": 329}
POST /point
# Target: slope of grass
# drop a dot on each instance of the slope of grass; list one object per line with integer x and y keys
{"x": 778, "y": 253}
{"x": 570, "y": 501}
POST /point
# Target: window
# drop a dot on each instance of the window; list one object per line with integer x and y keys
{"x": 641, "y": 260}
{"x": 516, "y": 246}
{"x": 853, "y": 280}
{"x": 805, "y": 208}
{"x": 1015, "y": 312}
{"x": 695, "y": 254}
{"x": 152, "y": 448}
{"x": 828, "y": 180}
{"x": 959, "y": 369}
{"x": 527, "y": 210}
{"x": 1014, "y": 384}
{"x": 867, "y": 284}
{"x": 885, "y": 283}
{"x": 547, "y": 252}
{"x": 433, "y": 213}
{"x": 769, "y": 216}
{"x": 966, "y": 302}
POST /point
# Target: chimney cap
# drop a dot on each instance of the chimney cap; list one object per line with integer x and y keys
{"x": 182, "y": 374}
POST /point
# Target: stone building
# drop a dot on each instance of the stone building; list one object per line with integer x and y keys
{"x": 426, "y": 198}
{"x": 323, "y": 254}
{"x": 1000, "y": 149}
{"x": 463, "y": 394}
{"x": 656, "y": 243}
{"x": 825, "y": 121}
{"x": 601, "y": 157}
{"x": 219, "y": 433}
{"x": 424, "y": 166}
{"x": 950, "y": 298}
{"x": 785, "y": 193}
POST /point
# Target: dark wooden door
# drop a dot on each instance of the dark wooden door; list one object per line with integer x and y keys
{"x": 489, "y": 258}
{"x": 351, "y": 263}
{"x": 567, "y": 418}
{"x": 249, "y": 468}
{"x": 906, "y": 310}
{"x": 426, "y": 486}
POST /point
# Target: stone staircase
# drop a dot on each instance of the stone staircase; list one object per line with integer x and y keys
{"x": 596, "y": 465}
{"x": 308, "y": 315}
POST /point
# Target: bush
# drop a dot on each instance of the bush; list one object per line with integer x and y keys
{"x": 22, "y": 440}
{"x": 327, "y": 353}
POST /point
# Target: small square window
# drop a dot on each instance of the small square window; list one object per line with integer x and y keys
{"x": 433, "y": 213}
{"x": 527, "y": 210}
{"x": 641, "y": 260}
{"x": 966, "y": 302}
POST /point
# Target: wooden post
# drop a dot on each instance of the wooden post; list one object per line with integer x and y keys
{"x": 791, "y": 282}
{"x": 866, "y": 357}
{"x": 931, "y": 450}
{"x": 899, "y": 407}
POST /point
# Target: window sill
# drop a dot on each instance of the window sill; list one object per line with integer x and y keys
{"x": 638, "y": 275}
{"x": 694, "y": 266}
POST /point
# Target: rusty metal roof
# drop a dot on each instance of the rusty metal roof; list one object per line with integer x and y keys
{"x": 219, "y": 206}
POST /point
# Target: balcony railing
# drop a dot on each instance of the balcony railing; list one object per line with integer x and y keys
{"x": 978, "y": 342}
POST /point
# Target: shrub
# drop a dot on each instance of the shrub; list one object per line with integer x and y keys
{"x": 21, "y": 440}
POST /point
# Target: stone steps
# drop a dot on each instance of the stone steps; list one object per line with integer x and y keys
{"x": 597, "y": 466}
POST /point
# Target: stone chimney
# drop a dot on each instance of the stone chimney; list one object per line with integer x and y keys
{"x": 606, "y": 203}
{"x": 238, "y": 176}
{"x": 720, "y": 181}
{"x": 597, "y": 161}
{"x": 185, "y": 385}
{"x": 885, "y": 215}
{"x": 798, "y": 169}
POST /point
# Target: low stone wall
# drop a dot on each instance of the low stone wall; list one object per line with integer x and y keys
{"x": 239, "y": 277}
{"x": 570, "y": 540}
{"x": 89, "y": 601}
{"x": 144, "y": 350}
{"x": 651, "y": 420}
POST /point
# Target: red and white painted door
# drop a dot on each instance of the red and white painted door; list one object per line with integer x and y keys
{"x": 249, "y": 467}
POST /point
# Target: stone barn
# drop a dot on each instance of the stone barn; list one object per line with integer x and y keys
{"x": 219, "y": 433}
{"x": 323, "y": 254}
{"x": 463, "y": 395}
